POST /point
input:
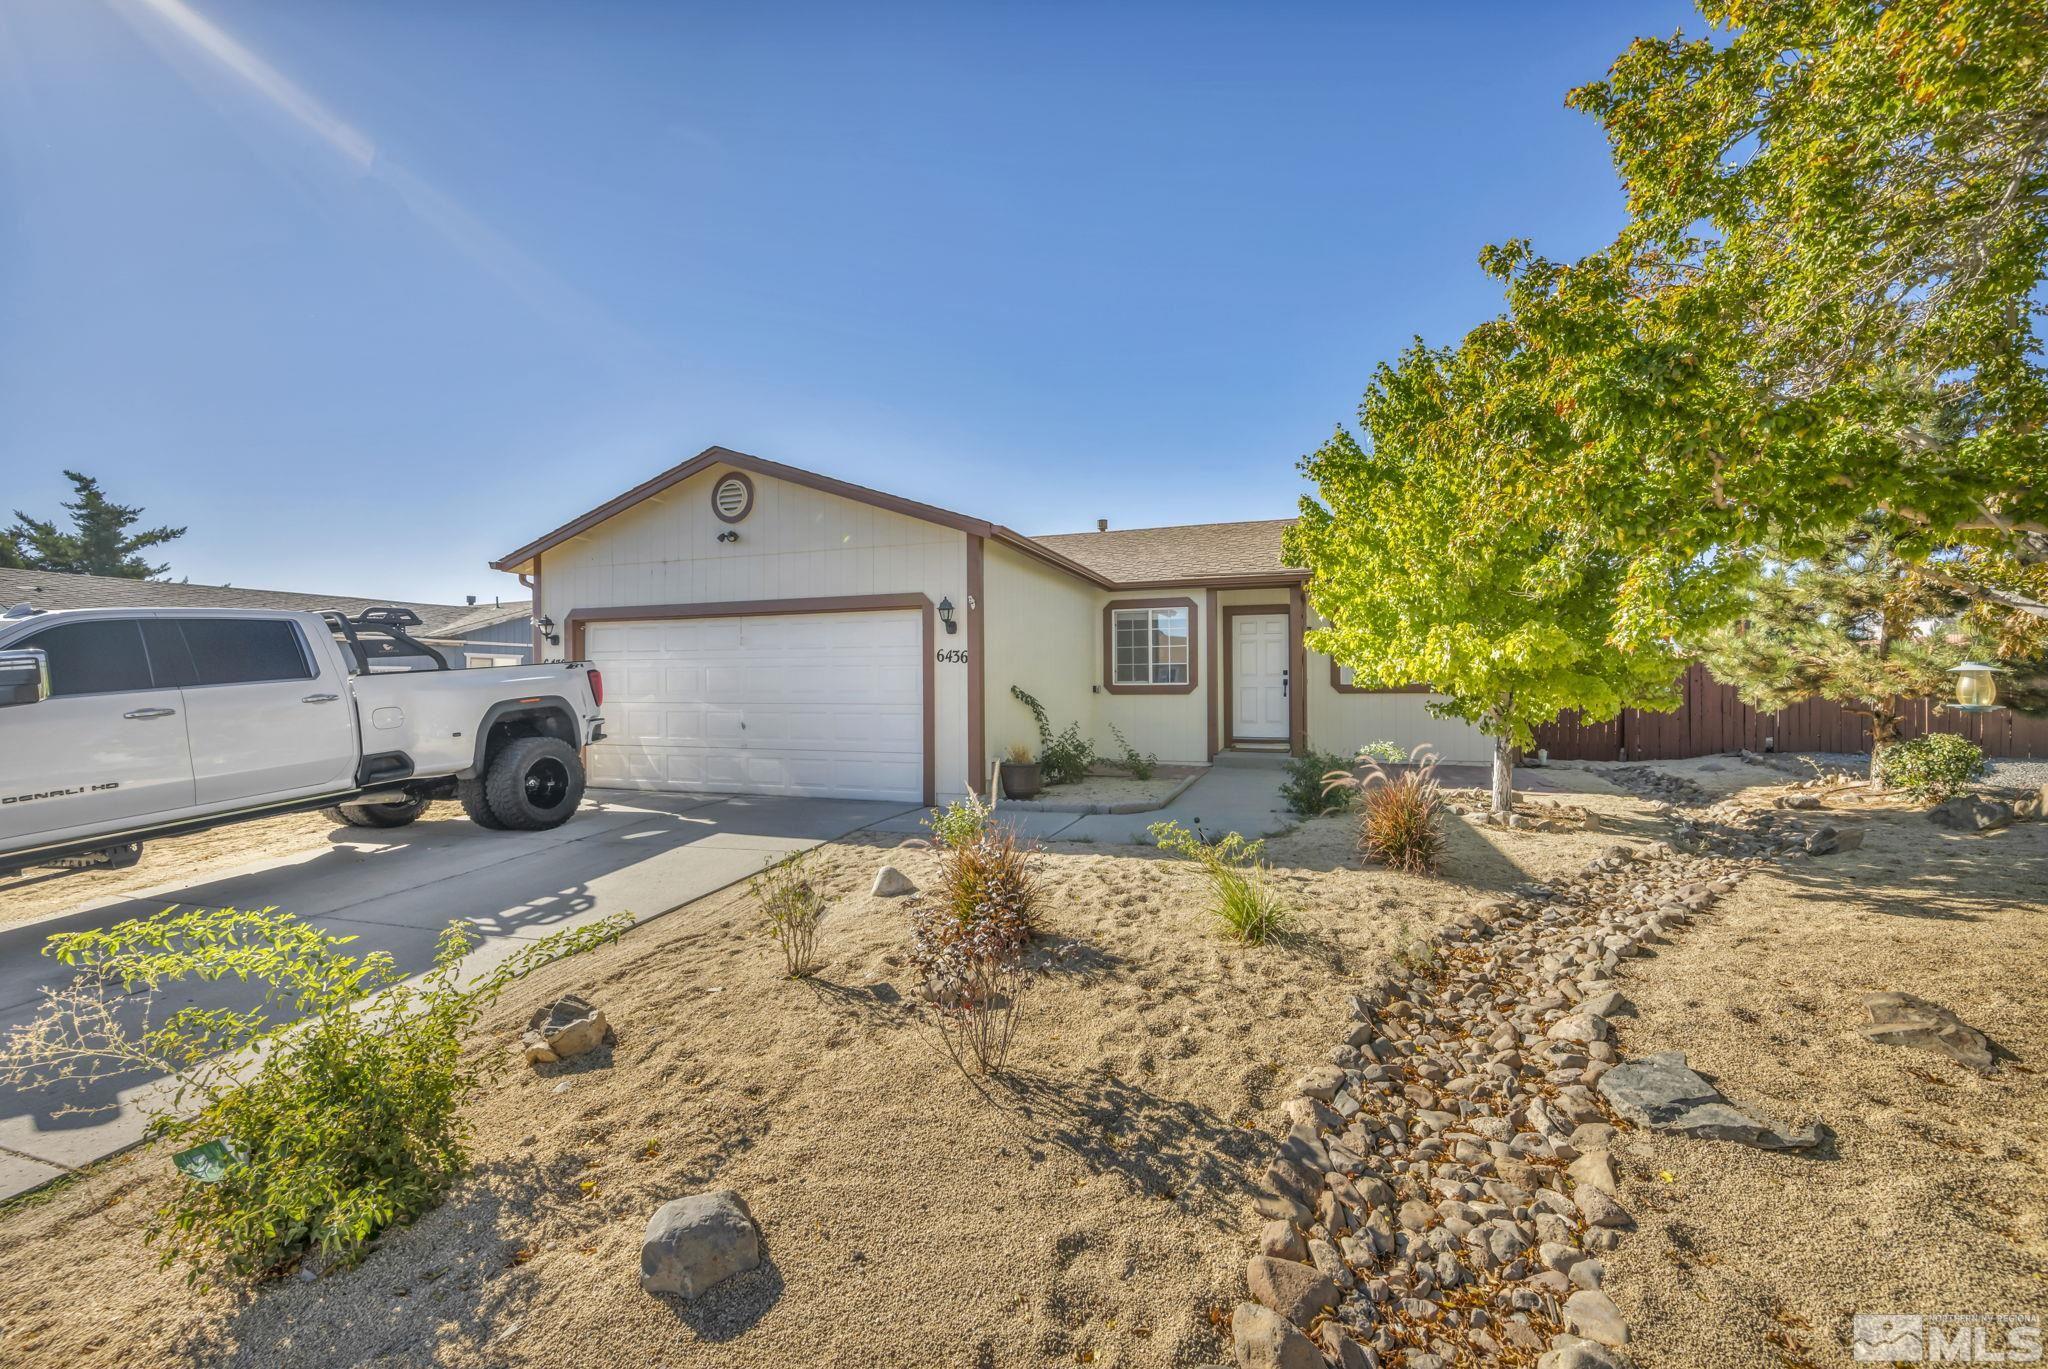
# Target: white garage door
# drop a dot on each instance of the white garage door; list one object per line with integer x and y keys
{"x": 826, "y": 705}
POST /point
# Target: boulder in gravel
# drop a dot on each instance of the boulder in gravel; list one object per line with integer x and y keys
{"x": 1662, "y": 1092}
{"x": 695, "y": 1242}
{"x": 1602, "y": 1210}
{"x": 1321, "y": 1083}
{"x": 1343, "y": 1351}
{"x": 1572, "y": 1352}
{"x": 891, "y": 882}
{"x": 1971, "y": 813}
{"x": 1294, "y": 1291}
{"x": 1593, "y": 1315}
{"x": 1262, "y": 1339}
{"x": 563, "y": 1029}
{"x": 1282, "y": 1241}
{"x": 1900, "y": 1019}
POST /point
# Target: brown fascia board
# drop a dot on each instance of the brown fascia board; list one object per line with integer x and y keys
{"x": 725, "y": 456}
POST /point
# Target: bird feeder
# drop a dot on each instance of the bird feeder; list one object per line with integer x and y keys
{"x": 1976, "y": 691}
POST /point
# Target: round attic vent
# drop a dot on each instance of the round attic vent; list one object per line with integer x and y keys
{"x": 732, "y": 498}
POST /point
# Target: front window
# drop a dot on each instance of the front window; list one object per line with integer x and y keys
{"x": 1151, "y": 646}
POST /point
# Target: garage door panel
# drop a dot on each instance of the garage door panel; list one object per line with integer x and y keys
{"x": 829, "y": 705}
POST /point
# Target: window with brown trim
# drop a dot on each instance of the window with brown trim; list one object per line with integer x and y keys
{"x": 1149, "y": 646}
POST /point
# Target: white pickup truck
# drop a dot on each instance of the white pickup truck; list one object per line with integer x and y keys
{"x": 118, "y": 725}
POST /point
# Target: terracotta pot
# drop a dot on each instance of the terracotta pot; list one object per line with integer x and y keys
{"x": 1021, "y": 781}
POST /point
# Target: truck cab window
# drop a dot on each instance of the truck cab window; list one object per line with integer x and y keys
{"x": 244, "y": 650}
{"x": 102, "y": 657}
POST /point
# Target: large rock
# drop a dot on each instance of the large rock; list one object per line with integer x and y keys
{"x": 891, "y": 882}
{"x": 1295, "y": 1291}
{"x": 1573, "y": 1352}
{"x": 1593, "y": 1315}
{"x": 1660, "y": 1091}
{"x": 563, "y": 1029}
{"x": 1970, "y": 814}
{"x": 695, "y": 1242}
{"x": 1263, "y": 1340}
{"x": 1900, "y": 1019}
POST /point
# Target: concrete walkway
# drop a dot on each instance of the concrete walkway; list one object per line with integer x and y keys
{"x": 643, "y": 854}
{"x": 1241, "y": 793}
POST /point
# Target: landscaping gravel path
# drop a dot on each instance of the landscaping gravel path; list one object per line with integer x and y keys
{"x": 1445, "y": 1189}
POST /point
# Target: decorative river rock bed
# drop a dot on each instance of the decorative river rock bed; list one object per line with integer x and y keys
{"x": 1445, "y": 1189}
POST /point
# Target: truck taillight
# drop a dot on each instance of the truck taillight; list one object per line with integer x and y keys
{"x": 597, "y": 687}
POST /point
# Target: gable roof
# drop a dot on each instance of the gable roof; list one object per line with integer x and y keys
{"x": 1207, "y": 552}
{"x": 1198, "y": 554}
{"x": 51, "y": 589}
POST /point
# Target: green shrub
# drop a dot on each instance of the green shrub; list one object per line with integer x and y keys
{"x": 329, "y": 1111}
{"x": 1306, "y": 788}
{"x": 1141, "y": 767}
{"x": 1235, "y": 868}
{"x": 1937, "y": 766}
{"x": 792, "y": 907}
{"x": 1062, "y": 759}
{"x": 959, "y": 822}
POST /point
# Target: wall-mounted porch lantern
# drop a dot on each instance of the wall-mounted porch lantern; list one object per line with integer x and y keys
{"x": 946, "y": 616}
{"x": 1976, "y": 691}
{"x": 547, "y": 630}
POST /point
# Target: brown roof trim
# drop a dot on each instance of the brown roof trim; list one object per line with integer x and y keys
{"x": 725, "y": 456}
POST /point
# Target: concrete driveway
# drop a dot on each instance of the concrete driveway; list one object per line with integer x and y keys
{"x": 625, "y": 852}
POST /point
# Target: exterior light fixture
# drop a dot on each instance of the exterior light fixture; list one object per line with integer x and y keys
{"x": 946, "y": 616}
{"x": 1976, "y": 691}
{"x": 547, "y": 630}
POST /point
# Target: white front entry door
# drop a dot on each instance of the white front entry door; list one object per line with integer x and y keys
{"x": 1258, "y": 677}
{"x": 818, "y": 705}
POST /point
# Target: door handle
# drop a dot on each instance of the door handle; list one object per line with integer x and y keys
{"x": 1283, "y": 683}
{"x": 150, "y": 713}
{"x": 319, "y": 698}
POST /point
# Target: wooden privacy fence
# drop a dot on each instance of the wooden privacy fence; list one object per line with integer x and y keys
{"x": 1714, "y": 719}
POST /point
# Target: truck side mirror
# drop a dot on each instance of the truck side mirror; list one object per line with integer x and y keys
{"x": 24, "y": 677}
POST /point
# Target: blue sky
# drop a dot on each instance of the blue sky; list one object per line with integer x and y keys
{"x": 367, "y": 294}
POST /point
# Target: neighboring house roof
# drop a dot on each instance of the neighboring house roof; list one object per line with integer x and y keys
{"x": 1192, "y": 551}
{"x": 55, "y": 590}
{"x": 479, "y": 618}
{"x": 1224, "y": 552}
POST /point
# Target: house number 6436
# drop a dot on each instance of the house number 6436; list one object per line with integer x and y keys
{"x": 952, "y": 655}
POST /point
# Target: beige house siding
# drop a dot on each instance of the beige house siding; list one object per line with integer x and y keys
{"x": 1344, "y": 722}
{"x": 1037, "y": 635}
{"x": 795, "y": 543}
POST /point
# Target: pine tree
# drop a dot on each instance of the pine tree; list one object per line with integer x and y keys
{"x": 99, "y": 542}
{"x": 1858, "y": 625}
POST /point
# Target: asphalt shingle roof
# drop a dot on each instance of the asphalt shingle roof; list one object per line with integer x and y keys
{"x": 55, "y": 590}
{"x": 1191, "y": 551}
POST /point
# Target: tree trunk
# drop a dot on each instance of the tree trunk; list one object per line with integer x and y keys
{"x": 1884, "y": 730}
{"x": 1503, "y": 776}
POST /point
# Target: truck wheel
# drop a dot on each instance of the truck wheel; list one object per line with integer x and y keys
{"x": 378, "y": 814}
{"x": 470, "y": 794}
{"x": 534, "y": 783}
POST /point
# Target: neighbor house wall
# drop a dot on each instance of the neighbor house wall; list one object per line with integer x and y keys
{"x": 795, "y": 543}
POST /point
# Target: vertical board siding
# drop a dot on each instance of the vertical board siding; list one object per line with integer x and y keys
{"x": 1712, "y": 718}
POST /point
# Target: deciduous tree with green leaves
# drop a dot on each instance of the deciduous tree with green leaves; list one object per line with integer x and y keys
{"x": 99, "y": 542}
{"x": 1421, "y": 577}
{"x": 1824, "y": 305}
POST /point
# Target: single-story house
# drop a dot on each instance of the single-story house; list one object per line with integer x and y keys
{"x": 767, "y": 629}
{"x": 470, "y": 634}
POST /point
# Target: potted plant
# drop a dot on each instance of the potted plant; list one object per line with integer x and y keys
{"x": 1021, "y": 779}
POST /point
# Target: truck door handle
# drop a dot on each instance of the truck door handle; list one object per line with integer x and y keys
{"x": 150, "y": 713}
{"x": 319, "y": 698}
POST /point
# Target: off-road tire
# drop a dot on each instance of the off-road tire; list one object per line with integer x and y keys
{"x": 470, "y": 794}
{"x": 378, "y": 814}
{"x": 534, "y": 783}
